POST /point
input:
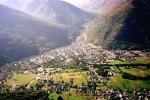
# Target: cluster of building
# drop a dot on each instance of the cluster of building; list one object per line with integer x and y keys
{"x": 77, "y": 51}
{"x": 129, "y": 55}
{"x": 65, "y": 56}
{"x": 116, "y": 94}
{"x": 76, "y": 54}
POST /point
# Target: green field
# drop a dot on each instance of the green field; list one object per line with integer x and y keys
{"x": 137, "y": 60}
{"x": 82, "y": 77}
{"x": 20, "y": 79}
{"x": 79, "y": 77}
{"x": 71, "y": 95}
{"x": 118, "y": 82}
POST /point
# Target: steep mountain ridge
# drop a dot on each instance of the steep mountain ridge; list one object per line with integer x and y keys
{"x": 123, "y": 26}
{"x": 56, "y": 12}
{"x": 96, "y": 6}
{"x": 22, "y": 35}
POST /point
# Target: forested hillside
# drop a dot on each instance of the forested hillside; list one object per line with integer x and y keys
{"x": 125, "y": 26}
{"x": 22, "y": 35}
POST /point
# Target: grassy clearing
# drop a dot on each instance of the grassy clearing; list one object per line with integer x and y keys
{"x": 79, "y": 77}
{"x": 116, "y": 62}
{"x": 118, "y": 82}
{"x": 138, "y": 60}
{"x": 20, "y": 79}
{"x": 142, "y": 60}
{"x": 71, "y": 95}
{"x": 66, "y": 96}
{"x": 66, "y": 75}
{"x": 136, "y": 71}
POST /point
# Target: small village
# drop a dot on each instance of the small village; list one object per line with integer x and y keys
{"x": 51, "y": 69}
{"x": 46, "y": 80}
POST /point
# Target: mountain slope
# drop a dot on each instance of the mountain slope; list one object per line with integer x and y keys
{"x": 56, "y": 12}
{"x": 95, "y": 6}
{"x": 125, "y": 25}
{"x": 62, "y": 12}
{"x": 22, "y": 35}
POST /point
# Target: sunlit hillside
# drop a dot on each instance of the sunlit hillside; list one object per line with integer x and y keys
{"x": 125, "y": 26}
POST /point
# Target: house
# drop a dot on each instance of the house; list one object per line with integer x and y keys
{"x": 40, "y": 69}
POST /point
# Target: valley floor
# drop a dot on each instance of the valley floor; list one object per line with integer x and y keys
{"x": 73, "y": 84}
{"x": 79, "y": 71}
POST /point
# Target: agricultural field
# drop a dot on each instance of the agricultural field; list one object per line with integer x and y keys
{"x": 123, "y": 84}
{"x": 79, "y": 77}
{"x": 21, "y": 79}
{"x": 71, "y": 95}
{"x": 137, "y": 60}
{"x": 119, "y": 82}
{"x": 83, "y": 77}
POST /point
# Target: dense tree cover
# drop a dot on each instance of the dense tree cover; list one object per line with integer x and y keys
{"x": 126, "y": 27}
{"x": 22, "y": 35}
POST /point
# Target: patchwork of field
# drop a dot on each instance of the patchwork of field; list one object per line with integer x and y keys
{"x": 82, "y": 77}
{"x": 21, "y": 79}
{"x": 119, "y": 82}
{"x": 79, "y": 77}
